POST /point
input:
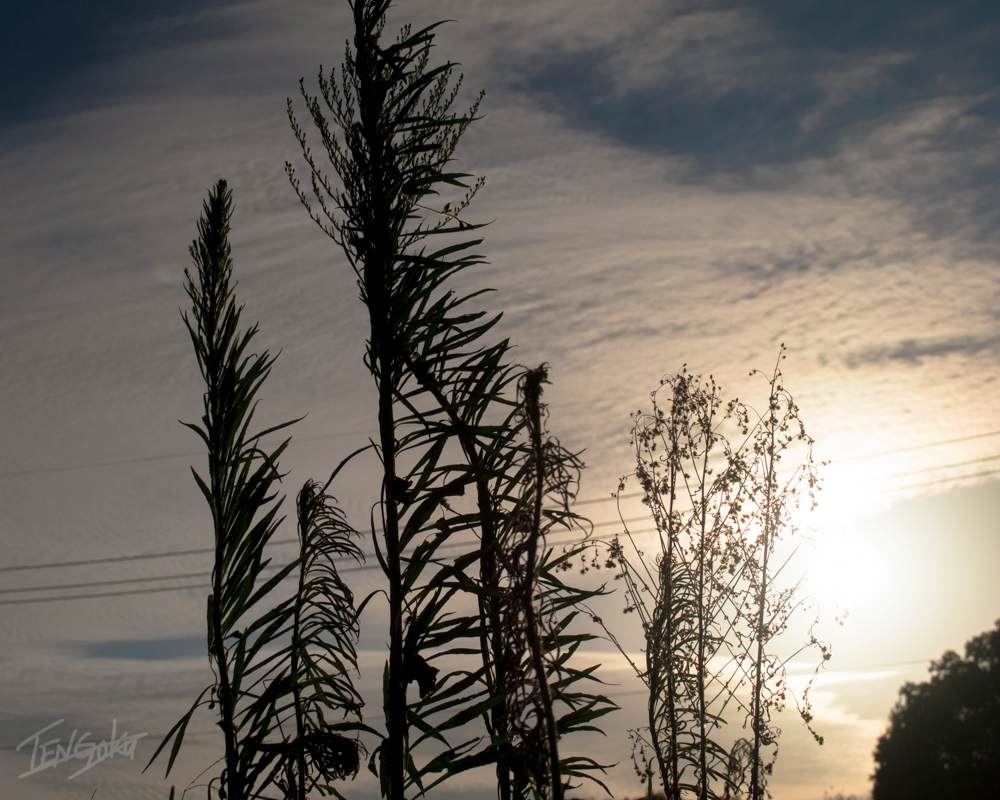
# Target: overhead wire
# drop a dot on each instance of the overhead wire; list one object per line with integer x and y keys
{"x": 918, "y": 447}
{"x": 161, "y": 457}
{"x": 943, "y": 466}
{"x": 114, "y": 559}
{"x": 945, "y": 480}
{"x": 202, "y": 551}
{"x": 629, "y": 495}
{"x": 361, "y": 568}
{"x": 94, "y": 584}
{"x": 343, "y": 434}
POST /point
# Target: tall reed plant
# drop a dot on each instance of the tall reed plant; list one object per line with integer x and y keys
{"x": 282, "y": 668}
{"x": 447, "y": 423}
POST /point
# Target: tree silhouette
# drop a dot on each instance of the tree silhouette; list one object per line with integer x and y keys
{"x": 943, "y": 739}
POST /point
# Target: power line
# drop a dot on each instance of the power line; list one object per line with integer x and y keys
{"x": 162, "y": 457}
{"x": 946, "y": 480}
{"x": 202, "y": 551}
{"x": 952, "y": 479}
{"x": 362, "y": 568}
{"x": 342, "y": 434}
{"x": 103, "y": 594}
{"x": 630, "y": 495}
{"x": 89, "y": 561}
{"x": 917, "y": 447}
{"x": 128, "y": 592}
{"x": 446, "y": 546}
{"x": 943, "y": 466}
{"x": 93, "y": 584}
{"x": 97, "y": 464}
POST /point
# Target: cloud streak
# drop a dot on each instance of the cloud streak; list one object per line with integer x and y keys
{"x": 694, "y": 184}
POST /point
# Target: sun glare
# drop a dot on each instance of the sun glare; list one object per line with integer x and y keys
{"x": 847, "y": 571}
{"x": 844, "y": 568}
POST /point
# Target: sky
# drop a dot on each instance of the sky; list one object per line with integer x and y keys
{"x": 667, "y": 183}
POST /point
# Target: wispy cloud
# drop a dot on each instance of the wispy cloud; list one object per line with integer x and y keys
{"x": 688, "y": 184}
{"x": 916, "y": 350}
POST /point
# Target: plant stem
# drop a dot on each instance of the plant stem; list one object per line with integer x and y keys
{"x": 706, "y": 435}
{"x": 532, "y": 395}
{"x": 300, "y": 755}
{"x": 227, "y": 702}
{"x": 493, "y": 601}
{"x": 378, "y": 255}
{"x": 756, "y": 790}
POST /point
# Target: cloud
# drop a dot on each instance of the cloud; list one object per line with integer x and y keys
{"x": 915, "y": 351}
{"x": 690, "y": 185}
{"x": 147, "y": 649}
{"x": 738, "y": 86}
{"x": 50, "y": 51}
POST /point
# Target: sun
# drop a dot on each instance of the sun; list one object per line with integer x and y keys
{"x": 847, "y": 570}
{"x": 845, "y": 567}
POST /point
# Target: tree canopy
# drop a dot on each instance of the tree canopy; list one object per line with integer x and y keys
{"x": 943, "y": 739}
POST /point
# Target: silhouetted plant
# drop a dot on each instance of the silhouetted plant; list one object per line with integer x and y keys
{"x": 537, "y": 610}
{"x": 445, "y": 422}
{"x": 943, "y": 739}
{"x": 708, "y": 603}
{"x": 259, "y": 692}
{"x": 323, "y": 626}
{"x": 761, "y": 604}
